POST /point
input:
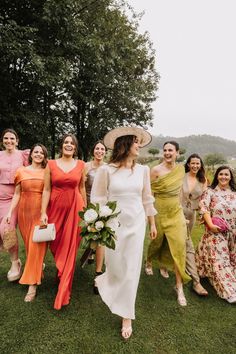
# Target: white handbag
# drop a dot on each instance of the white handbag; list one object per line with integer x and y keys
{"x": 44, "y": 233}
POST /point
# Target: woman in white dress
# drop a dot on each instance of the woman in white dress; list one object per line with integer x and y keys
{"x": 128, "y": 183}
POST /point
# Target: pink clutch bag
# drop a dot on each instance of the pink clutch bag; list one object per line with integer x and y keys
{"x": 223, "y": 225}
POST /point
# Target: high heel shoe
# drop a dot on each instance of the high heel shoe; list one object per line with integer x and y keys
{"x": 31, "y": 294}
{"x": 180, "y": 296}
{"x": 95, "y": 288}
{"x": 126, "y": 332}
{"x": 164, "y": 273}
{"x": 15, "y": 271}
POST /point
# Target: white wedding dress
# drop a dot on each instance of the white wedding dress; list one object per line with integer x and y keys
{"x": 131, "y": 189}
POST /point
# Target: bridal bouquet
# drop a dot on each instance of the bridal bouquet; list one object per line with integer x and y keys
{"x": 99, "y": 224}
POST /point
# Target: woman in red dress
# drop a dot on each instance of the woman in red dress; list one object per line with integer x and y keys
{"x": 63, "y": 196}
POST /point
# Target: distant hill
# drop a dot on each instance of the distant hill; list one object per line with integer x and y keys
{"x": 200, "y": 144}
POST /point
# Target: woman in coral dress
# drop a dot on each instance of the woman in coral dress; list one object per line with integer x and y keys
{"x": 216, "y": 252}
{"x": 128, "y": 183}
{"x": 10, "y": 160}
{"x": 28, "y": 197}
{"x": 63, "y": 197}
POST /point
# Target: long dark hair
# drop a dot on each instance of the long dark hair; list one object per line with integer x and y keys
{"x": 45, "y": 153}
{"x": 215, "y": 182}
{"x": 121, "y": 149}
{"x": 74, "y": 140}
{"x": 201, "y": 174}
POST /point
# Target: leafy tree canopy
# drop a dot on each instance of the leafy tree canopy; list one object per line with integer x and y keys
{"x": 73, "y": 65}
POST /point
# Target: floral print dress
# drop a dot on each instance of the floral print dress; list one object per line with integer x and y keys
{"x": 216, "y": 253}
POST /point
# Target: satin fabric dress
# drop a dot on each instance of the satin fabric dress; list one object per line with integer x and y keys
{"x": 64, "y": 205}
{"x": 216, "y": 252}
{"x": 9, "y": 163}
{"x": 190, "y": 204}
{"x": 131, "y": 189}
{"x": 29, "y": 210}
{"x": 170, "y": 245}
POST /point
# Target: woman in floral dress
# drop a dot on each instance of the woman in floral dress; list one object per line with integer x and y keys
{"x": 216, "y": 253}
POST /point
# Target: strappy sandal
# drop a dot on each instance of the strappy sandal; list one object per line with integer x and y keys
{"x": 31, "y": 294}
{"x": 180, "y": 296}
{"x": 164, "y": 273}
{"x": 148, "y": 268}
{"x": 126, "y": 332}
{"x": 198, "y": 288}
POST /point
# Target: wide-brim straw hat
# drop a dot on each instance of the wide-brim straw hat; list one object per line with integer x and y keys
{"x": 143, "y": 136}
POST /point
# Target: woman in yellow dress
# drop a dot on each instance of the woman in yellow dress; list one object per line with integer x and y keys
{"x": 169, "y": 248}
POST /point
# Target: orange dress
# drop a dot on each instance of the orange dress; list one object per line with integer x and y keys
{"x": 29, "y": 209}
{"x": 65, "y": 202}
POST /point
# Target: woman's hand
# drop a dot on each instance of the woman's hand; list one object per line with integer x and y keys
{"x": 44, "y": 219}
{"x": 153, "y": 231}
{"x": 214, "y": 228}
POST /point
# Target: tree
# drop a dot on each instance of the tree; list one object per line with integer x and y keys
{"x": 211, "y": 160}
{"x": 73, "y": 65}
{"x": 153, "y": 151}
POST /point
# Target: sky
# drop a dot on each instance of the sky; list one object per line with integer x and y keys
{"x": 195, "y": 49}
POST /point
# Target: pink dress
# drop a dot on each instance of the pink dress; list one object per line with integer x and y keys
{"x": 216, "y": 252}
{"x": 9, "y": 163}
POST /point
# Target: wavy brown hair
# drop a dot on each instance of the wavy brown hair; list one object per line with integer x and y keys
{"x": 122, "y": 148}
{"x": 45, "y": 153}
{"x": 201, "y": 174}
{"x": 215, "y": 182}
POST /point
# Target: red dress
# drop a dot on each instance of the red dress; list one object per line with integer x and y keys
{"x": 65, "y": 202}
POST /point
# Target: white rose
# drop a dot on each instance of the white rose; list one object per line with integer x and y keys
{"x": 99, "y": 225}
{"x": 113, "y": 224}
{"x": 90, "y": 215}
{"x": 105, "y": 211}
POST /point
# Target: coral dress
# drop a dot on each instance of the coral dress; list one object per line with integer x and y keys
{"x": 32, "y": 182}
{"x": 131, "y": 189}
{"x": 216, "y": 252}
{"x": 65, "y": 202}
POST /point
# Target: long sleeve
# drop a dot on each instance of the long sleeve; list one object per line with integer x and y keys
{"x": 147, "y": 197}
{"x": 99, "y": 192}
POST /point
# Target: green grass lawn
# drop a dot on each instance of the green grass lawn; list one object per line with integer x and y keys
{"x": 206, "y": 325}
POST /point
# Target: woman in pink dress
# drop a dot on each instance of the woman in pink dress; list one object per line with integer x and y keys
{"x": 63, "y": 197}
{"x": 10, "y": 160}
{"x": 216, "y": 252}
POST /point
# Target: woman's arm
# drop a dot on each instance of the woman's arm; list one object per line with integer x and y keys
{"x": 46, "y": 195}
{"x": 14, "y": 202}
{"x": 82, "y": 189}
{"x": 152, "y": 227}
{"x": 208, "y": 221}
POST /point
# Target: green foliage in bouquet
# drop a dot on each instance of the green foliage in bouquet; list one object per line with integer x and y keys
{"x": 99, "y": 224}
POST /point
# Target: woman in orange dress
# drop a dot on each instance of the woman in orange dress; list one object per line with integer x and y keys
{"x": 28, "y": 197}
{"x": 63, "y": 196}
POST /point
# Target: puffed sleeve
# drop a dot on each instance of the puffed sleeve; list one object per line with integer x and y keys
{"x": 18, "y": 176}
{"x": 99, "y": 192}
{"x": 205, "y": 201}
{"x": 25, "y": 156}
{"x": 147, "y": 197}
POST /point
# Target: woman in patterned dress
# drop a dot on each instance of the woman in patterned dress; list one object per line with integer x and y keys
{"x": 216, "y": 253}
